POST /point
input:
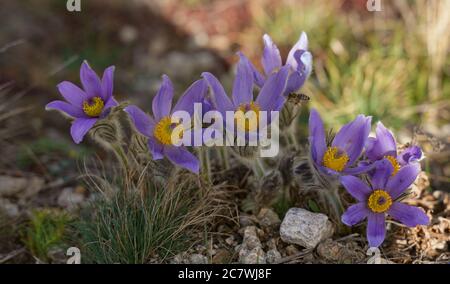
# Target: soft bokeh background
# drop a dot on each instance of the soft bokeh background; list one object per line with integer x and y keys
{"x": 392, "y": 64}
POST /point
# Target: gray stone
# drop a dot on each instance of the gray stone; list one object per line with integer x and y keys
{"x": 250, "y": 251}
{"x": 8, "y": 208}
{"x": 70, "y": 198}
{"x": 305, "y": 228}
{"x": 19, "y": 186}
{"x": 273, "y": 256}
{"x": 268, "y": 218}
{"x": 198, "y": 259}
{"x": 254, "y": 256}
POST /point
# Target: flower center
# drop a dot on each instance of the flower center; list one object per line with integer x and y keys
{"x": 164, "y": 129}
{"x": 93, "y": 107}
{"x": 335, "y": 159}
{"x": 379, "y": 201}
{"x": 250, "y": 121}
{"x": 394, "y": 164}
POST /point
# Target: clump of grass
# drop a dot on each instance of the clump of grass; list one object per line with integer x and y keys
{"x": 46, "y": 231}
{"x": 144, "y": 211}
{"x": 131, "y": 227}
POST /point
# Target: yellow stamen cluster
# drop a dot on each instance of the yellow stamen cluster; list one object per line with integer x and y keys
{"x": 164, "y": 129}
{"x": 249, "y": 122}
{"x": 379, "y": 201}
{"x": 93, "y": 107}
{"x": 394, "y": 164}
{"x": 335, "y": 160}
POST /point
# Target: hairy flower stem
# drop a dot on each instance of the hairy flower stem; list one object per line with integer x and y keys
{"x": 258, "y": 168}
{"x": 122, "y": 158}
{"x": 205, "y": 162}
{"x": 289, "y": 135}
{"x": 223, "y": 155}
{"x": 334, "y": 201}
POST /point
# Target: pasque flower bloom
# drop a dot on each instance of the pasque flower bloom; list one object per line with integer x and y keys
{"x": 344, "y": 151}
{"x": 380, "y": 198}
{"x": 158, "y": 128}
{"x": 299, "y": 61}
{"x": 88, "y": 105}
{"x": 270, "y": 97}
{"x": 384, "y": 146}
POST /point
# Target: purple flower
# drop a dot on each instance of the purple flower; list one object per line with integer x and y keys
{"x": 269, "y": 99}
{"x": 345, "y": 149}
{"x": 380, "y": 198}
{"x": 299, "y": 61}
{"x": 88, "y": 105}
{"x": 384, "y": 146}
{"x": 158, "y": 129}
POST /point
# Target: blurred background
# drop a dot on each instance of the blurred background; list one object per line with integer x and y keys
{"x": 392, "y": 64}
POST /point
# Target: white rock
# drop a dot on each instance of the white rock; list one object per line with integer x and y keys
{"x": 254, "y": 256}
{"x": 9, "y": 209}
{"x": 251, "y": 239}
{"x": 198, "y": 259}
{"x": 305, "y": 228}
{"x": 70, "y": 199}
{"x": 20, "y": 186}
{"x": 10, "y": 186}
{"x": 250, "y": 251}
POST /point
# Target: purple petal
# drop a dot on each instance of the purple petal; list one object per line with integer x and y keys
{"x": 271, "y": 59}
{"x": 243, "y": 84}
{"x": 304, "y": 61}
{"x": 376, "y": 229}
{"x": 143, "y": 122}
{"x": 294, "y": 82}
{"x": 383, "y": 172}
{"x": 156, "y": 149}
{"x": 302, "y": 44}
{"x": 219, "y": 98}
{"x": 362, "y": 168}
{"x": 402, "y": 180}
{"x": 355, "y": 214}
{"x": 162, "y": 102}
{"x": 273, "y": 89}
{"x": 352, "y": 137}
{"x": 194, "y": 94}
{"x": 111, "y": 102}
{"x": 258, "y": 78}
{"x": 383, "y": 145}
{"x": 317, "y": 137}
{"x": 410, "y": 216}
{"x": 80, "y": 127}
{"x": 66, "y": 108}
{"x": 183, "y": 158}
{"x": 409, "y": 155}
{"x": 108, "y": 83}
{"x": 72, "y": 93}
{"x": 90, "y": 81}
{"x": 356, "y": 187}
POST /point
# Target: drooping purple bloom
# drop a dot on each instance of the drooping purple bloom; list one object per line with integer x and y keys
{"x": 384, "y": 146}
{"x": 86, "y": 105}
{"x": 299, "y": 61}
{"x": 158, "y": 128}
{"x": 344, "y": 151}
{"x": 380, "y": 198}
{"x": 270, "y": 97}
